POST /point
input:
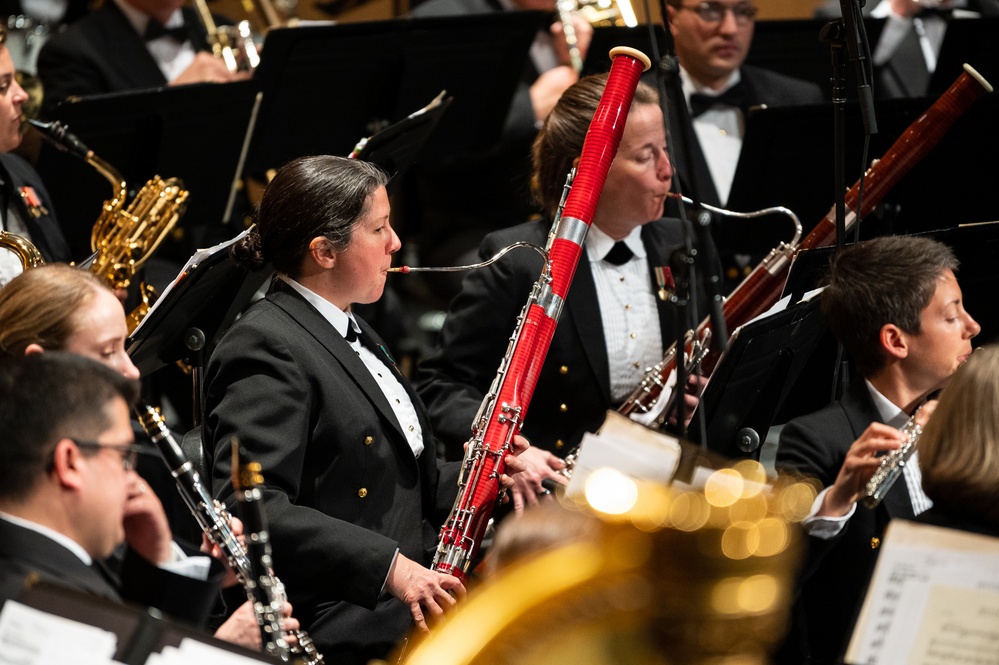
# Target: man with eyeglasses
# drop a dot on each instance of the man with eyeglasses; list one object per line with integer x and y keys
{"x": 712, "y": 40}
{"x": 69, "y": 495}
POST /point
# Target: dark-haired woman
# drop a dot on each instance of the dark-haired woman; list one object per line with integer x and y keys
{"x": 354, "y": 493}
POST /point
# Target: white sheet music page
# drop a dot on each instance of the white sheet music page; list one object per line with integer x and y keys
{"x": 933, "y": 600}
{"x": 32, "y": 637}
{"x": 632, "y": 449}
{"x": 193, "y": 651}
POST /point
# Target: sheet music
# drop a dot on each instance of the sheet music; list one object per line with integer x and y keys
{"x": 632, "y": 449}
{"x": 193, "y": 651}
{"x": 191, "y": 264}
{"x": 29, "y": 636}
{"x": 933, "y": 600}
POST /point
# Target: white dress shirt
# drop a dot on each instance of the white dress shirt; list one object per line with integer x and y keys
{"x": 627, "y": 310}
{"x": 395, "y": 393}
{"x": 171, "y": 57}
{"x": 829, "y": 527}
{"x": 720, "y": 132}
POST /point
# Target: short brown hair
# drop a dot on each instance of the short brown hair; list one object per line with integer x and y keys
{"x": 959, "y": 447}
{"x": 40, "y": 305}
{"x": 560, "y": 140}
{"x": 45, "y": 397}
{"x": 880, "y": 281}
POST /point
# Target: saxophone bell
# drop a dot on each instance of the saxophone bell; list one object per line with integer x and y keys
{"x": 23, "y": 248}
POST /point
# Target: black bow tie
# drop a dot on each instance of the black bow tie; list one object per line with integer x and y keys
{"x": 619, "y": 254}
{"x": 351, "y": 335}
{"x": 155, "y": 30}
{"x": 734, "y": 96}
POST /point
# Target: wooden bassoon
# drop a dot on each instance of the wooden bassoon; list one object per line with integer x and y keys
{"x": 761, "y": 288}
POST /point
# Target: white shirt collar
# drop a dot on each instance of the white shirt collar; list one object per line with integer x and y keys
{"x": 890, "y": 413}
{"x": 140, "y": 20}
{"x": 51, "y": 534}
{"x": 599, "y": 243}
{"x": 338, "y": 318}
{"x": 690, "y": 86}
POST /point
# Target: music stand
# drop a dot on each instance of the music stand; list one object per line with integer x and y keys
{"x": 607, "y": 37}
{"x": 141, "y": 632}
{"x": 347, "y": 81}
{"x": 754, "y": 377}
{"x": 190, "y": 317}
{"x": 975, "y": 41}
{"x": 396, "y": 147}
{"x": 191, "y": 132}
{"x": 787, "y": 159}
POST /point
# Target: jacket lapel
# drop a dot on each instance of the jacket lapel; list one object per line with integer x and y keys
{"x": 861, "y": 411}
{"x": 323, "y": 332}
{"x": 584, "y": 313}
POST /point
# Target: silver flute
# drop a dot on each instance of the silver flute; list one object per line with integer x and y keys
{"x": 214, "y": 520}
{"x": 892, "y": 465}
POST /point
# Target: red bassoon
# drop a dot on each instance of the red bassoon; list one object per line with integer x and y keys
{"x": 503, "y": 409}
{"x": 762, "y": 287}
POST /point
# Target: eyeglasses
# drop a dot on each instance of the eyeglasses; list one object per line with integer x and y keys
{"x": 713, "y": 12}
{"x": 129, "y": 454}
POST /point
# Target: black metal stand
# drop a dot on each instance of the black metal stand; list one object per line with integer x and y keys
{"x": 693, "y": 256}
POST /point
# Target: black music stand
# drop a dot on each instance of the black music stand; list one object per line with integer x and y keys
{"x": 141, "y": 632}
{"x": 754, "y": 377}
{"x": 607, "y": 37}
{"x": 976, "y": 247}
{"x": 975, "y": 41}
{"x": 192, "y": 132}
{"x": 396, "y": 147}
{"x": 787, "y": 159}
{"x": 794, "y": 48}
{"x": 190, "y": 317}
{"x": 346, "y": 81}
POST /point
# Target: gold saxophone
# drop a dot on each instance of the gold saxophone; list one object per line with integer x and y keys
{"x": 124, "y": 237}
{"x": 26, "y": 251}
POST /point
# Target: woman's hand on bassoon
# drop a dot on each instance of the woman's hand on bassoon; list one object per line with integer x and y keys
{"x": 424, "y": 591}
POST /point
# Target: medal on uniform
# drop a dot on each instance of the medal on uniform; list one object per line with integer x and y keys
{"x": 664, "y": 280}
{"x": 32, "y": 202}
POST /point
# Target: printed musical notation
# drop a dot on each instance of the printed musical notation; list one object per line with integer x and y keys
{"x": 933, "y": 600}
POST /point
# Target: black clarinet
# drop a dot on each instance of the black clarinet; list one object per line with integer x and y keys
{"x": 251, "y": 564}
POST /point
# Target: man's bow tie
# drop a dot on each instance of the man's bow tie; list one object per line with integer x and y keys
{"x": 155, "y": 30}
{"x": 734, "y": 96}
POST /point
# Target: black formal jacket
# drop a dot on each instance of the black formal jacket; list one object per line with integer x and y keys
{"x": 573, "y": 390}
{"x": 45, "y": 231}
{"x": 904, "y": 74}
{"x": 103, "y": 53}
{"x": 836, "y": 571}
{"x": 342, "y": 489}
{"x": 24, "y": 552}
{"x": 763, "y": 87}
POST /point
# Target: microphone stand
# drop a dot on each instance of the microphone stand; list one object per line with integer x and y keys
{"x": 849, "y": 32}
{"x": 694, "y": 253}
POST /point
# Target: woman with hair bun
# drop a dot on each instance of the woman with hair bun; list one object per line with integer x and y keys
{"x": 354, "y": 492}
